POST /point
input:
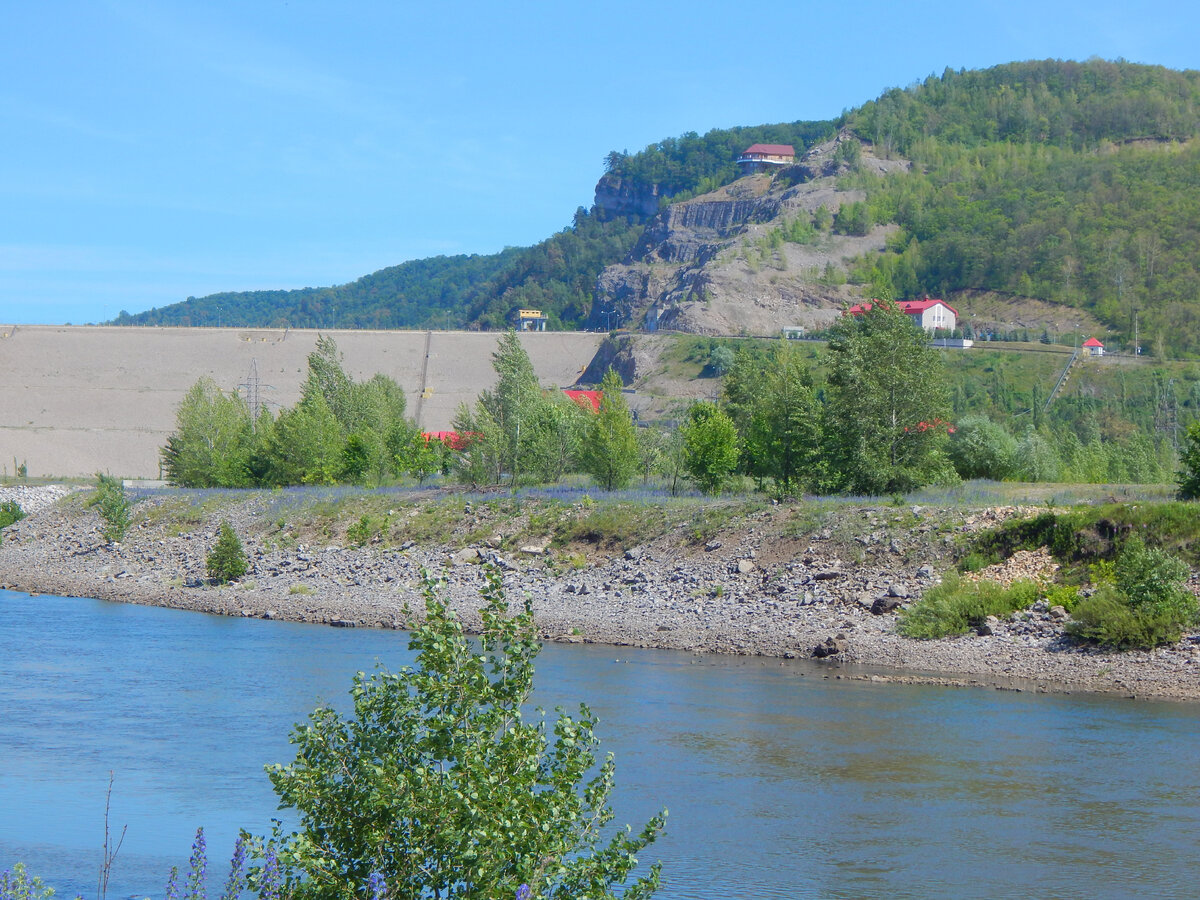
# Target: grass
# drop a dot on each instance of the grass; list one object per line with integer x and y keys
{"x": 957, "y": 605}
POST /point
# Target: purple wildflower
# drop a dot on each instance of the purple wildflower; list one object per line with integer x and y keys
{"x": 523, "y": 892}
{"x": 268, "y": 888}
{"x": 237, "y": 875}
{"x": 173, "y": 884}
{"x": 197, "y": 867}
{"x": 376, "y": 887}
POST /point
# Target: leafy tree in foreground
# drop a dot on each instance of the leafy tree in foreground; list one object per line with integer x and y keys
{"x": 610, "y": 447}
{"x": 437, "y": 786}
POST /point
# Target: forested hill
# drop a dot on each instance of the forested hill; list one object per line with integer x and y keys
{"x": 557, "y": 275}
{"x": 1077, "y": 183}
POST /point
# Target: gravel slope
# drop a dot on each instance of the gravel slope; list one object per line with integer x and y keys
{"x": 753, "y": 590}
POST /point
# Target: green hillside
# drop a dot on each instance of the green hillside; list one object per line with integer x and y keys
{"x": 1074, "y": 183}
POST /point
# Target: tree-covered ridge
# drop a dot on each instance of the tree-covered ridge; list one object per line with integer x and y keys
{"x": 1056, "y": 102}
{"x": 1113, "y": 232}
{"x": 557, "y": 275}
{"x": 694, "y": 164}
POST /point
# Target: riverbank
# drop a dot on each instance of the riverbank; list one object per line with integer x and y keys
{"x": 750, "y": 579}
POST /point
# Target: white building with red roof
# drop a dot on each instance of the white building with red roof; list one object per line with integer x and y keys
{"x": 932, "y": 315}
{"x": 759, "y": 157}
{"x": 1093, "y": 347}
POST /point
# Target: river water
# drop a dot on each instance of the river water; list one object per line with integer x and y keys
{"x": 780, "y": 782}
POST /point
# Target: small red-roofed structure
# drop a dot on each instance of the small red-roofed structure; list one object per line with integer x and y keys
{"x": 589, "y": 400}
{"x": 1093, "y": 347}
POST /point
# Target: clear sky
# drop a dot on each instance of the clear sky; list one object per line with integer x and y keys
{"x": 155, "y": 150}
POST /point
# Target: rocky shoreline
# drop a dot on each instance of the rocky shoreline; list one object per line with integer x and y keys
{"x": 756, "y": 589}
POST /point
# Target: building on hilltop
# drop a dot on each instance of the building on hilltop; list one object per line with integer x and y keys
{"x": 932, "y": 315}
{"x": 1093, "y": 347}
{"x": 765, "y": 157}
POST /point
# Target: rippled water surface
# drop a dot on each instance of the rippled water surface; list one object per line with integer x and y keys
{"x": 780, "y": 783}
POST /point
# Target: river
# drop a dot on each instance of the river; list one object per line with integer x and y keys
{"x": 780, "y": 782}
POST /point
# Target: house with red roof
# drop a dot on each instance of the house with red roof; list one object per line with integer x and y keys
{"x": 1093, "y": 347}
{"x": 762, "y": 157}
{"x": 930, "y": 314}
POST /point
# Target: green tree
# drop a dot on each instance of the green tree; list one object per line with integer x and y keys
{"x": 227, "y": 560}
{"x": 422, "y": 457}
{"x": 113, "y": 506}
{"x": 710, "y": 446}
{"x": 981, "y": 448}
{"x": 1188, "y": 477}
{"x": 610, "y": 451}
{"x": 778, "y": 417}
{"x": 212, "y": 441}
{"x": 305, "y": 445}
{"x": 887, "y": 403}
{"x": 512, "y": 402}
{"x": 438, "y": 784}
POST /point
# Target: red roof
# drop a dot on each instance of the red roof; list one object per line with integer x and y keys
{"x": 912, "y": 307}
{"x": 587, "y": 399}
{"x": 1092, "y": 342}
{"x": 770, "y": 150}
{"x": 453, "y": 440}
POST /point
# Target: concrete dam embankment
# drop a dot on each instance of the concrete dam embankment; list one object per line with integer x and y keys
{"x": 84, "y": 399}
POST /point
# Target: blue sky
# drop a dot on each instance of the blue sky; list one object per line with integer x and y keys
{"x": 163, "y": 149}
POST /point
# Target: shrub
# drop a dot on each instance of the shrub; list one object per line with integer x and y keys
{"x": 361, "y": 531}
{"x": 1106, "y": 619}
{"x": 227, "y": 561}
{"x": 1145, "y": 605}
{"x": 442, "y": 778}
{"x": 113, "y": 506}
{"x": 956, "y": 605}
{"x": 10, "y": 511}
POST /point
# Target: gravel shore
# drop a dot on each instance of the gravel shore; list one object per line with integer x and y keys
{"x": 755, "y": 588}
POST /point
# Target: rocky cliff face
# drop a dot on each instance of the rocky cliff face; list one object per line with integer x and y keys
{"x": 616, "y": 196}
{"x": 716, "y": 264}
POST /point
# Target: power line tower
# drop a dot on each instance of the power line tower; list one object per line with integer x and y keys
{"x": 250, "y": 389}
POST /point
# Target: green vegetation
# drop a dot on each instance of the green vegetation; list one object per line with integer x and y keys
{"x": 17, "y": 884}
{"x": 957, "y": 605}
{"x": 340, "y": 431}
{"x": 710, "y": 446}
{"x": 113, "y": 506}
{"x": 438, "y": 785}
{"x": 227, "y": 561}
{"x": 1147, "y": 605}
{"x": 1189, "y": 460}
{"x": 610, "y": 452}
{"x": 10, "y": 512}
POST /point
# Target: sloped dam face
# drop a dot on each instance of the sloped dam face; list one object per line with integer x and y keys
{"x": 85, "y": 399}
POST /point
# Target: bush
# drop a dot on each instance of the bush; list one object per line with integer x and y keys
{"x": 113, "y": 506}
{"x": 1106, "y": 619}
{"x": 10, "y": 511}
{"x": 437, "y": 784}
{"x": 227, "y": 561}
{"x": 955, "y": 606}
{"x": 17, "y": 884}
{"x": 1147, "y": 604}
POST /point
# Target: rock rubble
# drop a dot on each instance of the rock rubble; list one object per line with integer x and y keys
{"x": 754, "y": 591}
